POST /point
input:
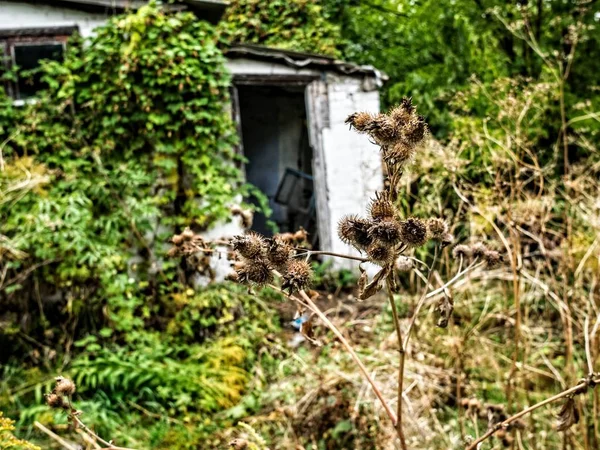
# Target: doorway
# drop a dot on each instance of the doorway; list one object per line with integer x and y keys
{"x": 274, "y": 135}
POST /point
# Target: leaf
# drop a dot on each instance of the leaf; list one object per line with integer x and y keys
{"x": 567, "y": 416}
{"x": 374, "y": 286}
{"x": 444, "y": 309}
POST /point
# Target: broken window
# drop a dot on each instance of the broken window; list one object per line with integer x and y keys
{"x": 25, "y": 49}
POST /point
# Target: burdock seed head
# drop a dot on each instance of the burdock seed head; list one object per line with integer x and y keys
{"x": 478, "y": 250}
{"x": 64, "y": 386}
{"x": 415, "y": 130}
{"x": 400, "y": 153}
{"x": 403, "y": 112}
{"x": 492, "y": 258}
{"x": 437, "y": 228}
{"x": 298, "y": 275}
{"x": 461, "y": 251}
{"x": 256, "y": 271}
{"x": 381, "y": 206}
{"x": 360, "y": 121}
{"x": 251, "y": 245}
{"x": 383, "y": 130}
{"x": 279, "y": 252}
{"x": 354, "y": 230}
{"x": 379, "y": 253}
{"x": 386, "y": 231}
{"x": 413, "y": 232}
{"x": 55, "y": 401}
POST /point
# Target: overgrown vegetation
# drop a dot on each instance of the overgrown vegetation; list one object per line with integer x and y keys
{"x": 131, "y": 139}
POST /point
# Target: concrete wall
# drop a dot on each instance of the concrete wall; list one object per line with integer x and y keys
{"x": 352, "y": 165}
{"x": 27, "y": 15}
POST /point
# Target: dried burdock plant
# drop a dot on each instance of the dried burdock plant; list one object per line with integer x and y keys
{"x": 383, "y": 237}
{"x": 61, "y": 397}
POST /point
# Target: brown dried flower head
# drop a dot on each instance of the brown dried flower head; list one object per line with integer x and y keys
{"x": 437, "y": 228}
{"x": 250, "y": 245}
{"x": 402, "y": 113}
{"x": 64, "y": 386}
{"x": 478, "y": 250}
{"x": 298, "y": 275}
{"x": 415, "y": 130}
{"x": 492, "y": 258}
{"x": 354, "y": 230}
{"x": 382, "y": 207}
{"x": 55, "y": 401}
{"x": 360, "y": 121}
{"x": 379, "y": 253}
{"x": 177, "y": 239}
{"x": 400, "y": 153}
{"x": 256, "y": 271}
{"x": 279, "y": 252}
{"x": 383, "y": 130}
{"x": 414, "y": 232}
{"x": 461, "y": 251}
{"x": 387, "y": 231}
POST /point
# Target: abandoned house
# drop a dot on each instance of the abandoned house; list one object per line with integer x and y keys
{"x": 289, "y": 108}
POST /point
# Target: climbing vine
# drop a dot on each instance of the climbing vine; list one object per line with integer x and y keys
{"x": 130, "y": 141}
{"x": 300, "y": 25}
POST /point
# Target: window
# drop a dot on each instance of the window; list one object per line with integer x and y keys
{"x": 25, "y": 48}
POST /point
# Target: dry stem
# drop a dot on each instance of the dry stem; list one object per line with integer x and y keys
{"x": 577, "y": 389}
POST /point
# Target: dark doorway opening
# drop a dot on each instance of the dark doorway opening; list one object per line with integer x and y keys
{"x": 275, "y": 142}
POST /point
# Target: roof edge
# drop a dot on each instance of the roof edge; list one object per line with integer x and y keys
{"x": 301, "y": 60}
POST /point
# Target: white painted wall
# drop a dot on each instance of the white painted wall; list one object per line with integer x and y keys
{"x": 352, "y": 164}
{"x": 27, "y": 15}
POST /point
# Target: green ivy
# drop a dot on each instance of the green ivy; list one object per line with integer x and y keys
{"x": 300, "y": 25}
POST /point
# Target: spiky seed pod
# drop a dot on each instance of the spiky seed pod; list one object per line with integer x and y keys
{"x": 354, "y": 230}
{"x": 386, "y": 231}
{"x": 383, "y": 130}
{"x": 461, "y": 251}
{"x": 279, "y": 252}
{"x": 251, "y": 245}
{"x": 187, "y": 234}
{"x": 437, "y": 228}
{"x": 379, "y": 253}
{"x": 55, "y": 401}
{"x": 413, "y": 232}
{"x": 298, "y": 275}
{"x": 400, "y": 153}
{"x": 492, "y": 258}
{"x": 478, "y": 250}
{"x": 360, "y": 121}
{"x": 256, "y": 271}
{"x": 64, "y": 386}
{"x": 404, "y": 264}
{"x": 415, "y": 130}
{"x": 403, "y": 112}
{"x": 381, "y": 207}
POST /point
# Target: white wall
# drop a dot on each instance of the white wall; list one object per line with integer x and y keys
{"x": 27, "y": 15}
{"x": 352, "y": 163}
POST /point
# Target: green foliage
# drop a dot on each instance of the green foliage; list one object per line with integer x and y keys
{"x": 130, "y": 142}
{"x": 301, "y": 25}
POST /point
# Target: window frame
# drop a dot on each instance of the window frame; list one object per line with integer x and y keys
{"x": 9, "y": 39}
